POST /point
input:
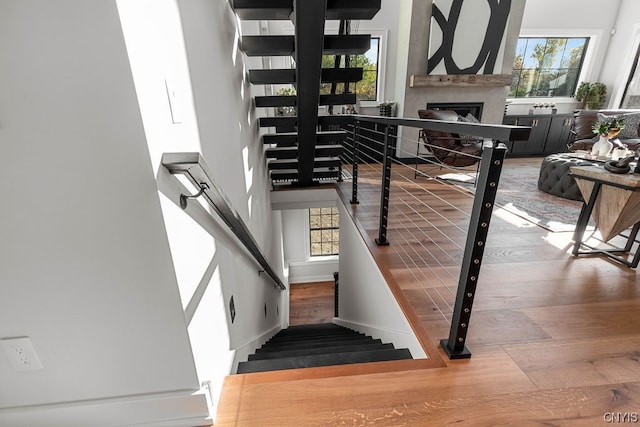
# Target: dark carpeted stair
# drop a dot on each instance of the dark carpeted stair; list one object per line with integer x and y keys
{"x": 324, "y": 344}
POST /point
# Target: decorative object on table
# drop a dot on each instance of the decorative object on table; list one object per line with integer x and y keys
{"x": 606, "y": 128}
{"x": 583, "y": 137}
{"x": 619, "y": 166}
{"x": 387, "y": 109}
{"x": 592, "y": 95}
{"x": 543, "y": 108}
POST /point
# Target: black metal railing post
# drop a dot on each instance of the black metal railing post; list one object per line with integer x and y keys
{"x": 354, "y": 170}
{"x": 487, "y": 186}
{"x": 381, "y": 240}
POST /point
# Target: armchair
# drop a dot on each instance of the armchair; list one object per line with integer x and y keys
{"x": 448, "y": 148}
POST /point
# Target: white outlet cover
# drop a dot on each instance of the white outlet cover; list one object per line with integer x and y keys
{"x": 21, "y": 354}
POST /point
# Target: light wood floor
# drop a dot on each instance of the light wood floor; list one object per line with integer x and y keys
{"x": 311, "y": 303}
{"x": 555, "y": 339}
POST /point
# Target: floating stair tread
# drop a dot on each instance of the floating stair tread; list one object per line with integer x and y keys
{"x": 291, "y": 138}
{"x": 340, "y": 99}
{"x": 277, "y": 121}
{"x": 273, "y": 76}
{"x": 281, "y": 152}
{"x": 352, "y": 9}
{"x": 283, "y": 164}
{"x": 292, "y": 164}
{"x": 323, "y": 360}
{"x": 319, "y": 350}
{"x": 341, "y": 75}
{"x": 268, "y": 45}
{"x": 264, "y": 9}
{"x": 328, "y": 150}
{"x": 292, "y": 121}
{"x": 326, "y": 173}
{"x": 336, "y": 119}
{"x": 282, "y": 138}
{"x": 276, "y": 101}
{"x": 332, "y": 135}
{"x": 351, "y": 44}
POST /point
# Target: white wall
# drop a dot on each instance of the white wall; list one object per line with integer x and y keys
{"x": 85, "y": 266}
{"x": 365, "y": 301}
{"x": 304, "y": 268}
{"x": 215, "y": 117}
{"x": 622, "y": 47}
{"x": 589, "y": 18}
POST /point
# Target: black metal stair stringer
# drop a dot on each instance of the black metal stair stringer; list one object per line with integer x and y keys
{"x": 309, "y": 19}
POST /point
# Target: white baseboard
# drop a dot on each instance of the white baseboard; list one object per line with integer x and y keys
{"x": 242, "y": 353}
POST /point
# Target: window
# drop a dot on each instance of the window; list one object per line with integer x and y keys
{"x": 324, "y": 231}
{"x": 545, "y": 67}
{"x": 631, "y": 94}
{"x": 367, "y": 88}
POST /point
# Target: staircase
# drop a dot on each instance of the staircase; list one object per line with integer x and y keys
{"x": 303, "y": 151}
{"x": 325, "y": 344}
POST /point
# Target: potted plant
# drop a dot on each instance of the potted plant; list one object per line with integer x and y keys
{"x": 592, "y": 95}
{"x": 606, "y": 128}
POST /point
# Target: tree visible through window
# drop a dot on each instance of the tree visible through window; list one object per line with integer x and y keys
{"x": 367, "y": 88}
{"x": 547, "y": 66}
{"x": 324, "y": 226}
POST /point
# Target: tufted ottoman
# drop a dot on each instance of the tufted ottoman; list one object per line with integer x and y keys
{"x": 554, "y": 176}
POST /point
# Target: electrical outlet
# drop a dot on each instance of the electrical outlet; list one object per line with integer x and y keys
{"x": 21, "y": 353}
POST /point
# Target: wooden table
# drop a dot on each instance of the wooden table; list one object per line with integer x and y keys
{"x": 614, "y": 202}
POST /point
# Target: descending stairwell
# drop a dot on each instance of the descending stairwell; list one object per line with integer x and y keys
{"x": 325, "y": 344}
{"x": 302, "y": 151}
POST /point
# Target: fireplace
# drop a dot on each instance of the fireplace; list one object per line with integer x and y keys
{"x": 462, "y": 108}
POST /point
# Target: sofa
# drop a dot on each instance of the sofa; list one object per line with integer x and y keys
{"x": 584, "y": 138}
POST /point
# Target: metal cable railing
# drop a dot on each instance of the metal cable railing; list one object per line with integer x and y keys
{"x": 440, "y": 242}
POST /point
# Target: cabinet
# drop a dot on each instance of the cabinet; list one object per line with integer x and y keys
{"x": 550, "y": 133}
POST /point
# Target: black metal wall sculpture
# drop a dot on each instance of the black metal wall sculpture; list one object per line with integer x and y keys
{"x": 492, "y": 31}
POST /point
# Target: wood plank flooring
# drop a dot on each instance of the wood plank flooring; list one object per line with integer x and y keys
{"x": 555, "y": 338}
{"x": 311, "y": 303}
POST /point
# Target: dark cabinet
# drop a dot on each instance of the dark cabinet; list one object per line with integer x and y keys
{"x": 550, "y": 134}
{"x": 559, "y": 135}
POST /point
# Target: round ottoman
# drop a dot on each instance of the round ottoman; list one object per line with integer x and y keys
{"x": 554, "y": 176}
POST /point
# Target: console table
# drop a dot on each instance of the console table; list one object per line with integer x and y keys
{"x": 614, "y": 201}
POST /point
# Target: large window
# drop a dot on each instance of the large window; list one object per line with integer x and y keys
{"x": 324, "y": 226}
{"x": 367, "y": 88}
{"x": 631, "y": 94}
{"x": 545, "y": 67}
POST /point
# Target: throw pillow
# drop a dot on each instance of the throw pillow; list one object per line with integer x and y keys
{"x": 631, "y": 122}
{"x": 469, "y": 139}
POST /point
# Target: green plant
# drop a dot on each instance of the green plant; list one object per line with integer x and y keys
{"x": 286, "y": 110}
{"x": 592, "y": 95}
{"x": 609, "y": 124}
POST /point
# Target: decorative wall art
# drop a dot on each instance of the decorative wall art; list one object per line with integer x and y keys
{"x": 467, "y": 37}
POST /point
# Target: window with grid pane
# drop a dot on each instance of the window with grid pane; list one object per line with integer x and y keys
{"x": 324, "y": 231}
{"x": 367, "y": 88}
{"x": 547, "y": 66}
